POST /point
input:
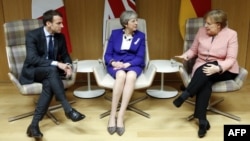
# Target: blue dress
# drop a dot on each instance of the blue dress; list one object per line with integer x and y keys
{"x": 135, "y": 55}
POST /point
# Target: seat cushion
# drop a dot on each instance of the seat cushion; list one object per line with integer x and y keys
{"x": 225, "y": 86}
{"x": 108, "y": 81}
{"x": 105, "y": 80}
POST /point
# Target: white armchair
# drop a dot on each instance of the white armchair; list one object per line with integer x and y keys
{"x": 192, "y": 26}
{"x": 104, "y": 80}
{"x": 16, "y": 52}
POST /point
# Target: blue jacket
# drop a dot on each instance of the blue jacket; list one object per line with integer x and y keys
{"x": 135, "y": 55}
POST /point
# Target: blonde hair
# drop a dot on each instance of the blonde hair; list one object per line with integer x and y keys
{"x": 219, "y": 16}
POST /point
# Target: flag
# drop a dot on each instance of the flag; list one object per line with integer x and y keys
{"x": 40, "y": 6}
{"x": 114, "y": 8}
{"x": 192, "y": 9}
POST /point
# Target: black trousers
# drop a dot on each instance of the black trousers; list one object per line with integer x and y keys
{"x": 201, "y": 87}
{"x": 52, "y": 85}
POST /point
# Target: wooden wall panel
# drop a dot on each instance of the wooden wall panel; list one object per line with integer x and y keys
{"x": 3, "y": 60}
{"x": 16, "y": 9}
{"x": 162, "y": 23}
{"x": 11, "y": 10}
{"x": 248, "y": 50}
{"x": 85, "y": 20}
{"x": 238, "y": 19}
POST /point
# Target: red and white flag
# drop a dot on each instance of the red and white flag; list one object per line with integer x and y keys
{"x": 114, "y": 8}
{"x": 40, "y": 6}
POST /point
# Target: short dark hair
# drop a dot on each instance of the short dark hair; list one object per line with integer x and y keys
{"x": 48, "y": 16}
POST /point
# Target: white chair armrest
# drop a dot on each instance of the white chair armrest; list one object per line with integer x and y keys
{"x": 150, "y": 73}
{"x": 27, "y": 89}
{"x": 146, "y": 78}
{"x": 16, "y": 82}
{"x": 103, "y": 79}
{"x": 241, "y": 77}
{"x": 69, "y": 82}
{"x": 184, "y": 75}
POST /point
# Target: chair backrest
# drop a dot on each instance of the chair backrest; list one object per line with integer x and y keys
{"x": 15, "y": 42}
{"x": 115, "y": 24}
{"x": 105, "y": 80}
{"x": 192, "y": 27}
{"x": 15, "y": 32}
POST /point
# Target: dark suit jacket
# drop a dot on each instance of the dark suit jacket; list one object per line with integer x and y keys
{"x": 36, "y": 49}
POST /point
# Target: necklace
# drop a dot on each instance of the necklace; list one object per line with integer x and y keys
{"x": 127, "y": 38}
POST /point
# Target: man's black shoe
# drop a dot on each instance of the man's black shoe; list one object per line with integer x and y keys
{"x": 74, "y": 115}
{"x": 34, "y": 131}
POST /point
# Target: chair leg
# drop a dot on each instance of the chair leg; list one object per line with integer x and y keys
{"x": 130, "y": 107}
{"x": 190, "y": 102}
{"x": 215, "y": 102}
{"x": 190, "y": 117}
{"x": 138, "y": 111}
{"x": 55, "y": 107}
{"x": 53, "y": 118}
{"x": 108, "y": 113}
{"x": 20, "y": 116}
{"x": 49, "y": 114}
{"x": 108, "y": 98}
{"x": 212, "y": 109}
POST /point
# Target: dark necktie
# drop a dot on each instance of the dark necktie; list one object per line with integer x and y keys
{"x": 51, "y": 48}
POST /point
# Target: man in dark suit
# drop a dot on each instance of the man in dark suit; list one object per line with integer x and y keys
{"x": 46, "y": 65}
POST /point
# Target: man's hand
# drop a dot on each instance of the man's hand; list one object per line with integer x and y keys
{"x": 67, "y": 69}
{"x": 68, "y": 72}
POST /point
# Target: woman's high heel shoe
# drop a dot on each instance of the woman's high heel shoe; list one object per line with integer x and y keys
{"x": 203, "y": 127}
{"x": 112, "y": 129}
{"x": 120, "y": 130}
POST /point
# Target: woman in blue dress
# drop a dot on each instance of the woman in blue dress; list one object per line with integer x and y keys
{"x": 125, "y": 61}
